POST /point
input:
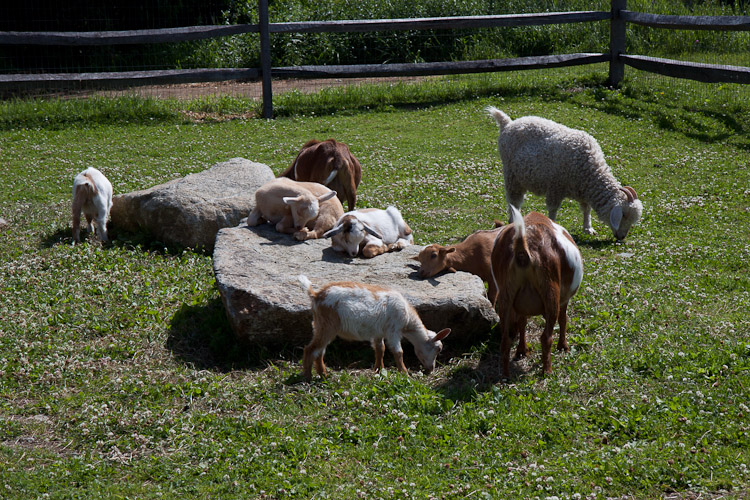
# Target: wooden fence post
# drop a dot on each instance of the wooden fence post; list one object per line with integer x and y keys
{"x": 265, "y": 58}
{"x": 616, "y": 43}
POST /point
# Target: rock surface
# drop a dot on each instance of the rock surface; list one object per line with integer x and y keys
{"x": 190, "y": 211}
{"x": 256, "y": 270}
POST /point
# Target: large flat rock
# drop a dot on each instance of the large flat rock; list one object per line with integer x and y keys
{"x": 256, "y": 270}
{"x": 191, "y": 210}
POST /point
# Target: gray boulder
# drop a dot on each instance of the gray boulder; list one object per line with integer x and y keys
{"x": 256, "y": 271}
{"x": 190, "y": 211}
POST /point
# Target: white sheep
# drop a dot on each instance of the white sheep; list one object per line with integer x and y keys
{"x": 549, "y": 159}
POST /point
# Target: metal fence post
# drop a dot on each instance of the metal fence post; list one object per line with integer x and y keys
{"x": 617, "y": 38}
{"x": 265, "y": 58}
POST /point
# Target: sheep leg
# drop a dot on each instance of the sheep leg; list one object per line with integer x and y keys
{"x": 379, "y": 346}
{"x": 553, "y": 205}
{"x": 587, "y": 228}
{"x": 562, "y": 319}
{"x": 515, "y": 199}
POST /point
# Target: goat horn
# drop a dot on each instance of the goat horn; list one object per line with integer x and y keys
{"x": 628, "y": 193}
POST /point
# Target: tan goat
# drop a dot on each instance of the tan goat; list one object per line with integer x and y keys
{"x": 537, "y": 268}
{"x": 307, "y": 209}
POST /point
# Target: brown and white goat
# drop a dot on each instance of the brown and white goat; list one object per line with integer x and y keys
{"x": 307, "y": 209}
{"x": 92, "y": 194}
{"x": 471, "y": 255}
{"x": 370, "y": 232}
{"x": 356, "y": 311}
{"x": 537, "y": 268}
{"x": 329, "y": 163}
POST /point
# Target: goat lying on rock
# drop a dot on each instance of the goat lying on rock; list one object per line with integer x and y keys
{"x": 371, "y": 232}
{"x": 307, "y": 209}
{"x": 92, "y": 194}
{"x": 356, "y": 311}
{"x": 471, "y": 255}
{"x": 537, "y": 268}
{"x": 558, "y": 162}
{"x": 329, "y": 163}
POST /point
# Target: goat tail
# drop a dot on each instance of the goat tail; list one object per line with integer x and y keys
{"x": 305, "y": 283}
{"x": 520, "y": 247}
{"x": 501, "y": 118}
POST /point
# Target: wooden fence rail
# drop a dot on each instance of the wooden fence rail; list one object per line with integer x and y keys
{"x": 618, "y": 16}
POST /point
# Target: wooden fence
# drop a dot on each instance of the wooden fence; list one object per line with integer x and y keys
{"x": 618, "y": 16}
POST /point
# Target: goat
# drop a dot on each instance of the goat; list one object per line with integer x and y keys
{"x": 356, "y": 311}
{"x": 92, "y": 194}
{"x": 371, "y": 232}
{"x": 329, "y": 163}
{"x": 550, "y": 159}
{"x": 537, "y": 268}
{"x": 307, "y": 209}
{"x": 472, "y": 255}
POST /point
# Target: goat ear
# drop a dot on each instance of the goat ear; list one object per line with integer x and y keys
{"x": 450, "y": 250}
{"x": 289, "y": 200}
{"x": 615, "y": 217}
{"x": 333, "y": 232}
{"x": 415, "y": 257}
{"x": 370, "y": 230}
{"x": 451, "y": 269}
{"x": 326, "y": 196}
{"x": 441, "y": 334}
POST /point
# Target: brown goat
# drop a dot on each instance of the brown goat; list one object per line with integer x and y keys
{"x": 537, "y": 268}
{"x": 329, "y": 163}
{"x": 472, "y": 255}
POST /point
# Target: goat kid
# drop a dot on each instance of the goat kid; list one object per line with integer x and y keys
{"x": 537, "y": 268}
{"x": 92, "y": 194}
{"x": 307, "y": 209}
{"x": 472, "y": 255}
{"x": 356, "y": 311}
{"x": 371, "y": 232}
{"x": 329, "y": 163}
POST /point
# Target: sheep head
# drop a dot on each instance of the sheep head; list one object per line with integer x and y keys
{"x": 626, "y": 213}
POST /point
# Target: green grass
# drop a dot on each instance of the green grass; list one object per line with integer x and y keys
{"x": 120, "y": 378}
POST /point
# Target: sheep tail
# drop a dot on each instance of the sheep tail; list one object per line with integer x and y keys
{"x": 520, "y": 247}
{"x": 501, "y": 118}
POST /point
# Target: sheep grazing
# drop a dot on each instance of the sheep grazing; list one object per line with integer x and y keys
{"x": 329, "y": 163}
{"x": 472, "y": 255}
{"x": 356, "y": 311}
{"x": 307, "y": 209}
{"x": 92, "y": 194}
{"x": 371, "y": 232}
{"x": 549, "y": 159}
{"x": 537, "y": 268}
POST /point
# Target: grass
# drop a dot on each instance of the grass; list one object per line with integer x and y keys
{"x": 119, "y": 375}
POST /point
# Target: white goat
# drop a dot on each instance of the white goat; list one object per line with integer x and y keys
{"x": 356, "y": 311}
{"x": 370, "y": 231}
{"x": 92, "y": 194}
{"x": 307, "y": 209}
{"x": 537, "y": 268}
{"x": 558, "y": 162}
